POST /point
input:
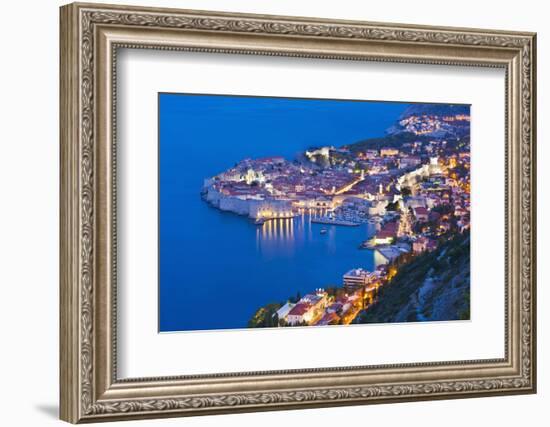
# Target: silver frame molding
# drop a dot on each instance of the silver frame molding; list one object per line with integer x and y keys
{"x": 90, "y": 37}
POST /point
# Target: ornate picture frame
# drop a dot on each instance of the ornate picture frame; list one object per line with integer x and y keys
{"x": 90, "y": 37}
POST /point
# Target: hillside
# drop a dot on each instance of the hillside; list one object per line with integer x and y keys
{"x": 435, "y": 110}
{"x": 398, "y": 134}
{"x": 390, "y": 141}
{"x": 434, "y": 286}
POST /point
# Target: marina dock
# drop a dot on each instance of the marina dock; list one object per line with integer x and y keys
{"x": 329, "y": 221}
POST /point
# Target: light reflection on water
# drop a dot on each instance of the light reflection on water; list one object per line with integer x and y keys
{"x": 284, "y": 233}
{"x": 234, "y": 266}
{"x": 281, "y": 237}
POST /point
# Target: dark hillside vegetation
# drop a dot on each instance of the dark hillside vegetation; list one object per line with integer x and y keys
{"x": 433, "y": 286}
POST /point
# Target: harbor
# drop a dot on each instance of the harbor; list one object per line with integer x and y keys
{"x": 334, "y": 221}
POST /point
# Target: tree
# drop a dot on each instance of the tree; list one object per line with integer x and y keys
{"x": 392, "y": 206}
{"x": 265, "y": 317}
{"x": 297, "y": 298}
{"x": 274, "y": 320}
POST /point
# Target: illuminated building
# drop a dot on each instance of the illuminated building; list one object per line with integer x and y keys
{"x": 356, "y": 278}
{"x": 385, "y": 152}
{"x": 405, "y": 224}
{"x": 300, "y": 313}
{"x": 282, "y": 313}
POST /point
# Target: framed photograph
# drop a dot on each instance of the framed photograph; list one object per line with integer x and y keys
{"x": 265, "y": 213}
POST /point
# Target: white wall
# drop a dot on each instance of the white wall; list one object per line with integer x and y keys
{"x": 29, "y": 170}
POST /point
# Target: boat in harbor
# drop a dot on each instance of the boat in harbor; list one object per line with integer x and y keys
{"x": 367, "y": 244}
{"x": 323, "y": 231}
{"x": 333, "y": 221}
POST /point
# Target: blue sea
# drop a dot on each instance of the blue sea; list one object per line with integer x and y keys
{"x": 218, "y": 268}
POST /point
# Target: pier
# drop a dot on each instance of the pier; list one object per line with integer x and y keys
{"x": 330, "y": 221}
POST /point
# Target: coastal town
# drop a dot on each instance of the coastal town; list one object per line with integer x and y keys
{"x": 415, "y": 193}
